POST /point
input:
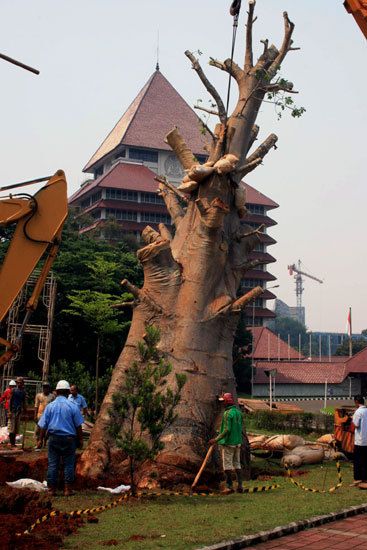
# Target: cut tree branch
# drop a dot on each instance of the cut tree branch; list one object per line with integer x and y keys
{"x": 228, "y": 66}
{"x": 256, "y": 231}
{"x": 242, "y": 302}
{"x": 178, "y": 145}
{"x": 250, "y": 21}
{"x": 254, "y": 133}
{"x": 287, "y": 43}
{"x": 281, "y": 87}
{"x": 249, "y": 166}
{"x": 208, "y": 85}
{"x": 140, "y": 295}
{"x": 210, "y": 111}
{"x": 262, "y": 150}
{"x": 121, "y": 305}
{"x": 171, "y": 199}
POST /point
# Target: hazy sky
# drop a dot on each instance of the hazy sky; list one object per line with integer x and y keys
{"x": 95, "y": 55}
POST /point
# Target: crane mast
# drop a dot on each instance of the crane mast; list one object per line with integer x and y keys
{"x": 299, "y": 281}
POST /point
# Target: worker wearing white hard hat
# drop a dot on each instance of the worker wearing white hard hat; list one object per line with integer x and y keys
{"x": 63, "y": 423}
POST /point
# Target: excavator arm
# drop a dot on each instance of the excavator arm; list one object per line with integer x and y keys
{"x": 37, "y": 235}
{"x": 358, "y": 8}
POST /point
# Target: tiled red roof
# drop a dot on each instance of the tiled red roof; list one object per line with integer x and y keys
{"x": 259, "y": 219}
{"x": 253, "y": 196}
{"x": 154, "y": 112}
{"x": 300, "y": 372}
{"x": 133, "y": 177}
{"x": 265, "y": 256}
{"x": 266, "y": 344}
{"x": 357, "y": 363}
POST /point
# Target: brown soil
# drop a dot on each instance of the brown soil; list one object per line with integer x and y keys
{"x": 33, "y": 465}
{"x": 19, "y": 509}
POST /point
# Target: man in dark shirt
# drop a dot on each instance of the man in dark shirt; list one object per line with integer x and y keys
{"x": 17, "y": 406}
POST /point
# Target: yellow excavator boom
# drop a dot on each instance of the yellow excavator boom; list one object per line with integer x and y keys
{"x": 40, "y": 219}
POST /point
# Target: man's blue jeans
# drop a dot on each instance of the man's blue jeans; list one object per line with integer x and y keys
{"x": 61, "y": 447}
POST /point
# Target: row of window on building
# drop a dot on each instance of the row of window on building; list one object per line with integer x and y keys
{"x": 152, "y": 217}
{"x": 123, "y": 195}
{"x": 142, "y": 155}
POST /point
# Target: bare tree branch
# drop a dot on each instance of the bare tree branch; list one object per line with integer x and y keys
{"x": 287, "y": 43}
{"x": 171, "y": 198}
{"x": 262, "y": 150}
{"x": 256, "y": 231}
{"x": 121, "y": 305}
{"x": 208, "y": 85}
{"x": 266, "y": 44}
{"x": 254, "y": 133}
{"x": 179, "y": 146}
{"x": 249, "y": 166}
{"x": 236, "y": 305}
{"x": 248, "y": 54}
{"x": 210, "y": 111}
{"x": 246, "y": 299}
{"x": 281, "y": 87}
{"x": 228, "y": 66}
{"x": 140, "y": 295}
{"x": 163, "y": 180}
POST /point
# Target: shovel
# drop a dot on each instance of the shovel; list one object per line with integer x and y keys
{"x": 205, "y": 461}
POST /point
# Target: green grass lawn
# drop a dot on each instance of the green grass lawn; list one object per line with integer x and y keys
{"x": 177, "y": 523}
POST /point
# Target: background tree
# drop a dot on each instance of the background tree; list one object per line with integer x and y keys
{"x": 191, "y": 278}
{"x": 96, "y": 309}
{"x": 242, "y": 360}
{"x": 144, "y": 406}
{"x": 358, "y": 344}
{"x": 285, "y": 326}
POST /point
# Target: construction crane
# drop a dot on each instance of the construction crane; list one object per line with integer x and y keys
{"x": 299, "y": 281}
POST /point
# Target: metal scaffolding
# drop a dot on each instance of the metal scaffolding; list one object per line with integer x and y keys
{"x": 43, "y": 331}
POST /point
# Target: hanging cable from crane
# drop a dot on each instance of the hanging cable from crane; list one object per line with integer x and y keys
{"x": 234, "y": 10}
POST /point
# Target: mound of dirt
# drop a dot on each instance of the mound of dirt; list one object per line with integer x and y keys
{"x": 19, "y": 509}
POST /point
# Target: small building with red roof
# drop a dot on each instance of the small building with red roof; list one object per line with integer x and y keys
{"x": 341, "y": 377}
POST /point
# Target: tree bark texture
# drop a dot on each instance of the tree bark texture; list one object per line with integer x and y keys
{"x": 191, "y": 279}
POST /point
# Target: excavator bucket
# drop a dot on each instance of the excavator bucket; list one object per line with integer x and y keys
{"x": 34, "y": 233}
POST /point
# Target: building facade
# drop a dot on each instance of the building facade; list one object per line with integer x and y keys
{"x": 122, "y": 185}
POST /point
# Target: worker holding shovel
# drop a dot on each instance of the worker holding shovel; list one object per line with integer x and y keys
{"x": 230, "y": 441}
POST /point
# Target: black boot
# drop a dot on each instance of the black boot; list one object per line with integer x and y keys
{"x": 12, "y": 439}
{"x": 228, "y": 474}
{"x": 239, "y": 481}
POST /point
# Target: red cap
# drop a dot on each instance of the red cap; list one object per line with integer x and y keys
{"x": 227, "y": 398}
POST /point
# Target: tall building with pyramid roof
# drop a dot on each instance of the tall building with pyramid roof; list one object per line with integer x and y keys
{"x": 123, "y": 168}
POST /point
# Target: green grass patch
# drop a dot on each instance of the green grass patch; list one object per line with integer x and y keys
{"x": 178, "y": 523}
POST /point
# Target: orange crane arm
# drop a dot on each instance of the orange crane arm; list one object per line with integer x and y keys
{"x": 40, "y": 219}
{"x": 358, "y": 8}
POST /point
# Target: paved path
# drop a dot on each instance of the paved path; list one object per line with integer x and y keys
{"x": 345, "y": 534}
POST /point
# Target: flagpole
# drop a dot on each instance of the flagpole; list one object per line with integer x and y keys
{"x": 350, "y": 332}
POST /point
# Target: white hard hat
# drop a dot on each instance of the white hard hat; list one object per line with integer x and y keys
{"x": 63, "y": 385}
{"x": 12, "y": 383}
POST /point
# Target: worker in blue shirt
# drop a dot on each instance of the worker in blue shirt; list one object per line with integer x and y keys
{"x": 78, "y": 399}
{"x": 62, "y": 421}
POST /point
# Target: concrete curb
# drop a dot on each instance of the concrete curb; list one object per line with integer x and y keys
{"x": 290, "y": 528}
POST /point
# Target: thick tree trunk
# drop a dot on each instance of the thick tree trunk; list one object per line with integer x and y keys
{"x": 191, "y": 280}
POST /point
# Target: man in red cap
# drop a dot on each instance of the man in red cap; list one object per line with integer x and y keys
{"x": 230, "y": 440}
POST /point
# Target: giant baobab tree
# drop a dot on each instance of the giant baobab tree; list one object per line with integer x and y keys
{"x": 191, "y": 277}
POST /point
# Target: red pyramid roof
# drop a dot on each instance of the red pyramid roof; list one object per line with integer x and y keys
{"x": 267, "y": 344}
{"x": 253, "y": 196}
{"x": 154, "y": 112}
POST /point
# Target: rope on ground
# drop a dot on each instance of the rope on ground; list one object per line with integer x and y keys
{"x": 312, "y": 490}
{"x": 98, "y": 509}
